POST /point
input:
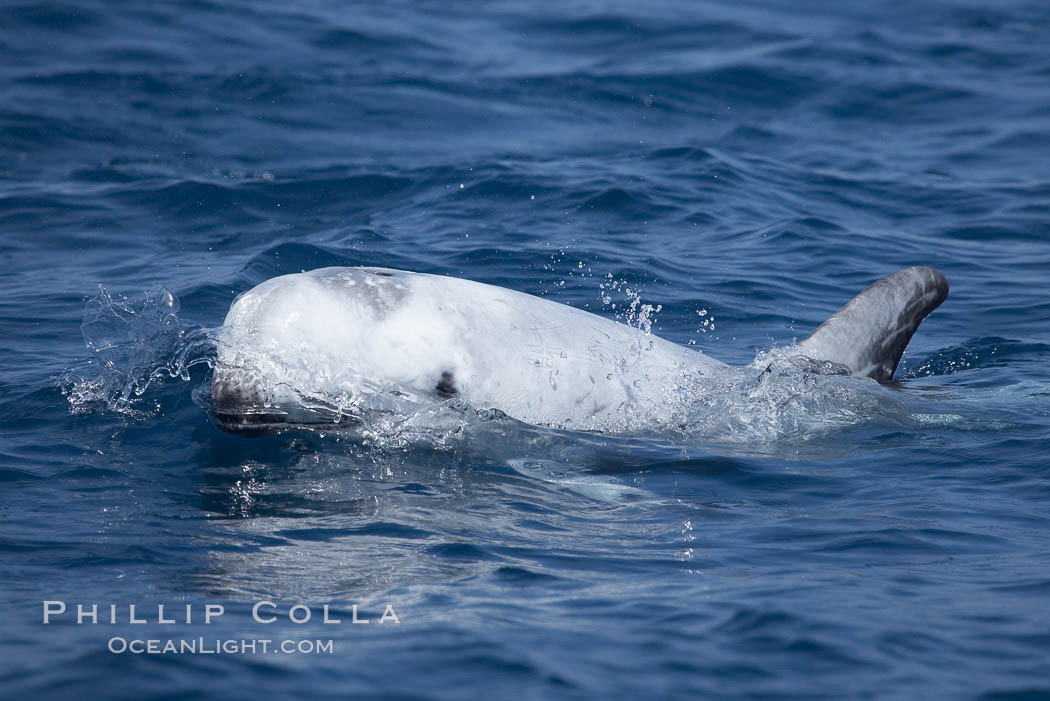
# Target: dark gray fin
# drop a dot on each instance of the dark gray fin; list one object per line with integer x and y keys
{"x": 869, "y": 334}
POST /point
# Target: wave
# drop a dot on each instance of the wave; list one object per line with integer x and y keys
{"x": 984, "y": 352}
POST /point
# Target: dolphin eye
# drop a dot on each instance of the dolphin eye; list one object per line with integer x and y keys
{"x": 446, "y": 387}
{"x": 380, "y": 273}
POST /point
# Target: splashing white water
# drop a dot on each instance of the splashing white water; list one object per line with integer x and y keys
{"x": 634, "y": 312}
{"x": 133, "y": 343}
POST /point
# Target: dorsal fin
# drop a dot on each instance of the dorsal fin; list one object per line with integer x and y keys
{"x": 869, "y": 334}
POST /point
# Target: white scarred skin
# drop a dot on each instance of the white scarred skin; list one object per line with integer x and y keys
{"x": 354, "y": 341}
{"x": 373, "y": 336}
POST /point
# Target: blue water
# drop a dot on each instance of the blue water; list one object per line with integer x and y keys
{"x": 748, "y": 166}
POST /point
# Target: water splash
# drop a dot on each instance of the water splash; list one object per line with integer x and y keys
{"x": 133, "y": 344}
{"x": 634, "y": 312}
{"x": 789, "y": 400}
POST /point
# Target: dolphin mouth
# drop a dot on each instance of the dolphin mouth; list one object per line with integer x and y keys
{"x": 248, "y": 423}
{"x": 243, "y": 408}
{"x": 246, "y": 420}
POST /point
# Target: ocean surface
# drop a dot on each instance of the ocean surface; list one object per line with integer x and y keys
{"x": 743, "y": 168}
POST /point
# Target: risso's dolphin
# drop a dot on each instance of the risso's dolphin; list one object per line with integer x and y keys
{"x": 348, "y": 345}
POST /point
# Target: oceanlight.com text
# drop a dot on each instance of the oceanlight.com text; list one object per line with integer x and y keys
{"x": 214, "y": 646}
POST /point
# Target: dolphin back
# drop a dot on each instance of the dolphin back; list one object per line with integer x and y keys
{"x": 869, "y": 334}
